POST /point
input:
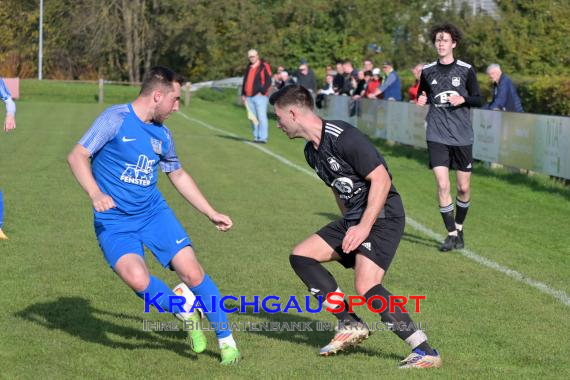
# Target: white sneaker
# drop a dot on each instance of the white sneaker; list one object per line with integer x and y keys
{"x": 419, "y": 359}
{"x": 346, "y": 337}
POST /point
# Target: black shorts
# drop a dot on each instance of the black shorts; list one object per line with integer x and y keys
{"x": 380, "y": 246}
{"x": 453, "y": 157}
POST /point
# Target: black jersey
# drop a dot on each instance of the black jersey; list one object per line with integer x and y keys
{"x": 344, "y": 158}
{"x": 447, "y": 124}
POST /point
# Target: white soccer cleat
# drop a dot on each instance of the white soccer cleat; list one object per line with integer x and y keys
{"x": 346, "y": 337}
{"x": 419, "y": 359}
{"x": 198, "y": 340}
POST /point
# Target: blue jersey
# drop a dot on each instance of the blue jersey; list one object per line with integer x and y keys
{"x": 125, "y": 154}
{"x": 4, "y": 92}
{"x": 7, "y": 98}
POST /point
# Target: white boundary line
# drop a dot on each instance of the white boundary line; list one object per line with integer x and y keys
{"x": 560, "y": 295}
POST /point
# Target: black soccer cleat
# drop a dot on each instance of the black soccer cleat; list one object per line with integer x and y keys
{"x": 448, "y": 244}
{"x": 459, "y": 242}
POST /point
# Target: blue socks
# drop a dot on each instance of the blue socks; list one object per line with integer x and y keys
{"x": 157, "y": 286}
{"x": 206, "y": 290}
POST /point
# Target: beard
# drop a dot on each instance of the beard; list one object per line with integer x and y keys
{"x": 159, "y": 118}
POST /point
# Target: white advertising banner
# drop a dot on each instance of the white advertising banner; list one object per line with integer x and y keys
{"x": 487, "y": 131}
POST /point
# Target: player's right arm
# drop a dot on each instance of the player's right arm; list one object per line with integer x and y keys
{"x": 10, "y": 120}
{"x": 78, "y": 161}
{"x": 103, "y": 130}
{"x": 423, "y": 91}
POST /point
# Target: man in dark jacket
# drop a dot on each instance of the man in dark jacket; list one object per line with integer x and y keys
{"x": 305, "y": 77}
{"x": 255, "y": 89}
{"x": 505, "y": 97}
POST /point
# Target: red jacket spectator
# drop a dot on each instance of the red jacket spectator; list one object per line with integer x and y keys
{"x": 260, "y": 82}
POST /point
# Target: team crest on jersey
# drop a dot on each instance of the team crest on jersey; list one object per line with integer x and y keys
{"x": 140, "y": 173}
{"x": 443, "y": 97}
{"x": 343, "y": 185}
{"x": 156, "y": 145}
{"x": 456, "y": 81}
{"x": 335, "y": 166}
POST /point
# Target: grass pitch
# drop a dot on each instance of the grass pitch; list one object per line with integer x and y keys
{"x": 66, "y": 315}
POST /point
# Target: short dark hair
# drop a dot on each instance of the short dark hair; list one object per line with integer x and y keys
{"x": 159, "y": 76}
{"x": 292, "y": 94}
{"x": 453, "y": 31}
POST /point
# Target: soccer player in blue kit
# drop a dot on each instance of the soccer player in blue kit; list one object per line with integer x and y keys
{"x": 9, "y": 124}
{"x": 126, "y": 144}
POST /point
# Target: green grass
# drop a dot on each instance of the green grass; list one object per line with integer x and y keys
{"x": 66, "y": 91}
{"x": 66, "y": 315}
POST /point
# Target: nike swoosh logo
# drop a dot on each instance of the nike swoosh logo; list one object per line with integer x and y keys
{"x": 181, "y": 240}
{"x": 125, "y": 139}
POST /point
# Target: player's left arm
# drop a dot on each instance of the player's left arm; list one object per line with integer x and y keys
{"x": 380, "y": 183}
{"x": 423, "y": 91}
{"x": 186, "y": 186}
{"x": 474, "y": 97}
{"x": 363, "y": 157}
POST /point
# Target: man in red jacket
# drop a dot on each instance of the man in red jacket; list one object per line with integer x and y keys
{"x": 255, "y": 88}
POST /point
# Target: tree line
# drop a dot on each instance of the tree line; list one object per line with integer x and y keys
{"x": 119, "y": 39}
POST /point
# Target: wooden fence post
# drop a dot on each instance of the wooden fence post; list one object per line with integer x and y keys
{"x": 187, "y": 86}
{"x": 101, "y": 93}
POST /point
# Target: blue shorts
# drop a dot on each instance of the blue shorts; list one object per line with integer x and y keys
{"x": 160, "y": 232}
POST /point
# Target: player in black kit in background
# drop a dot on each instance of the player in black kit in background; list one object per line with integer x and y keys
{"x": 367, "y": 235}
{"x": 450, "y": 86}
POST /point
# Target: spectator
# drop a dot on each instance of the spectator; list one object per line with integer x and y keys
{"x": 413, "y": 90}
{"x": 505, "y": 97}
{"x": 349, "y": 73}
{"x": 373, "y": 84}
{"x": 306, "y": 77}
{"x": 359, "y": 84}
{"x": 328, "y": 89}
{"x": 367, "y": 65}
{"x": 338, "y": 82}
{"x": 255, "y": 88}
{"x": 284, "y": 80}
{"x": 391, "y": 88}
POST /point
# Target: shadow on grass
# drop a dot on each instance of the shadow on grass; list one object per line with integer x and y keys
{"x": 537, "y": 182}
{"x": 418, "y": 239}
{"x": 77, "y": 317}
{"x": 234, "y": 138}
{"x": 314, "y": 339}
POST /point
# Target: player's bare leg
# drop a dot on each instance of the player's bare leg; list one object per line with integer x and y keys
{"x": 306, "y": 260}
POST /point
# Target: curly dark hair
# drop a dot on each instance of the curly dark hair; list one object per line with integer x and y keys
{"x": 454, "y": 32}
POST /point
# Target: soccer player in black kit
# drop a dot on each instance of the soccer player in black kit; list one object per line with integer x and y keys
{"x": 367, "y": 235}
{"x": 450, "y": 86}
